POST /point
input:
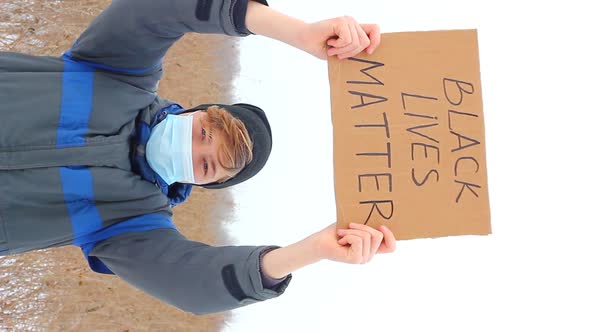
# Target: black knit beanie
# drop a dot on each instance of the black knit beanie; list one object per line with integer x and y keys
{"x": 259, "y": 130}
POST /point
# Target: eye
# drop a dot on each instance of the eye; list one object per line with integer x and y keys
{"x": 203, "y": 133}
{"x": 205, "y": 166}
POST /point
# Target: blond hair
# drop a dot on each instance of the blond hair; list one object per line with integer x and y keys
{"x": 235, "y": 145}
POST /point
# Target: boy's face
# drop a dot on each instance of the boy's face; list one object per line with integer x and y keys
{"x": 206, "y": 165}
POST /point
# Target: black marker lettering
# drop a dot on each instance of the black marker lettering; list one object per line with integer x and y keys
{"x": 426, "y": 146}
{"x": 389, "y": 180}
{"x": 466, "y": 158}
{"x": 461, "y": 87}
{"x": 415, "y": 96}
{"x": 377, "y": 99}
{"x": 460, "y": 139}
{"x": 414, "y": 130}
{"x": 384, "y": 125}
{"x": 388, "y": 154}
{"x": 374, "y": 64}
{"x": 468, "y": 185}
{"x": 460, "y": 113}
{"x": 420, "y": 184}
{"x": 421, "y": 116}
{"x": 376, "y": 206}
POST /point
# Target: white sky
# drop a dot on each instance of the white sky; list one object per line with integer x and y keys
{"x": 531, "y": 273}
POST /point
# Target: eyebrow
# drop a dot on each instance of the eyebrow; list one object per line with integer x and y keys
{"x": 210, "y": 137}
{"x": 205, "y": 125}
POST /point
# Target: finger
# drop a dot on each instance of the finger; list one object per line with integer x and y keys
{"x": 363, "y": 37}
{"x": 376, "y": 236}
{"x": 340, "y": 49}
{"x": 354, "y": 252}
{"x": 352, "y": 45}
{"x": 344, "y": 237}
{"x": 374, "y": 33}
{"x": 337, "y": 41}
{"x": 350, "y": 50}
{"x": 362, "y": 43}
{"x": 342, "y": 33}
{"x": 389, "y": 243}
{"x": 366, "y": 238}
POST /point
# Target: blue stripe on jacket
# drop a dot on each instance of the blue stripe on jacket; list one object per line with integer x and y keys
{"x": 139, "y": 224}
{"x": 77, "y": 181}
{"x": 79, "y": 196}
{"x": 76, "y": 104}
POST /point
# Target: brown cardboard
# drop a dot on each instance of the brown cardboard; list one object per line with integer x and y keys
{"x": 409, "y": 148}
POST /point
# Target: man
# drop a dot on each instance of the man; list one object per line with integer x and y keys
{"x": 90, "y": 155}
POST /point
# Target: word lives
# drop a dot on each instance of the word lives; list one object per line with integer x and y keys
{"x": 458, "y": 123}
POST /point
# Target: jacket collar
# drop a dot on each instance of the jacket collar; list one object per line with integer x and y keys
{"x": 176, "y": 192}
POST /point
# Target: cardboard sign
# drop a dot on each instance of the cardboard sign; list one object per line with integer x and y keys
{"x": 409, "y": 147}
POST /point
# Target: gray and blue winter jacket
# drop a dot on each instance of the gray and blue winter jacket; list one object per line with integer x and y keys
{"x": 72, "y": 169}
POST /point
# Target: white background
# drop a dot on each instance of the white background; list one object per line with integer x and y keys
{"x": 531, "y": 273}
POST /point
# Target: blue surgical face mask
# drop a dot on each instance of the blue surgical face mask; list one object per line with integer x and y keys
{"x": 169, "y": 149}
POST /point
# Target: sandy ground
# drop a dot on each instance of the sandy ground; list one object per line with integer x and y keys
{"x": 54, "y": 290}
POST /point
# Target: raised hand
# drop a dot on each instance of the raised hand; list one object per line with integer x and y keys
{"x": 356, "y": 245}
{"x": 341, "y": 36}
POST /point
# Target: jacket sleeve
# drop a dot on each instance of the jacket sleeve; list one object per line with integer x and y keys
{"x": 133, "y": 35}
{"x": 189, "y": 275}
